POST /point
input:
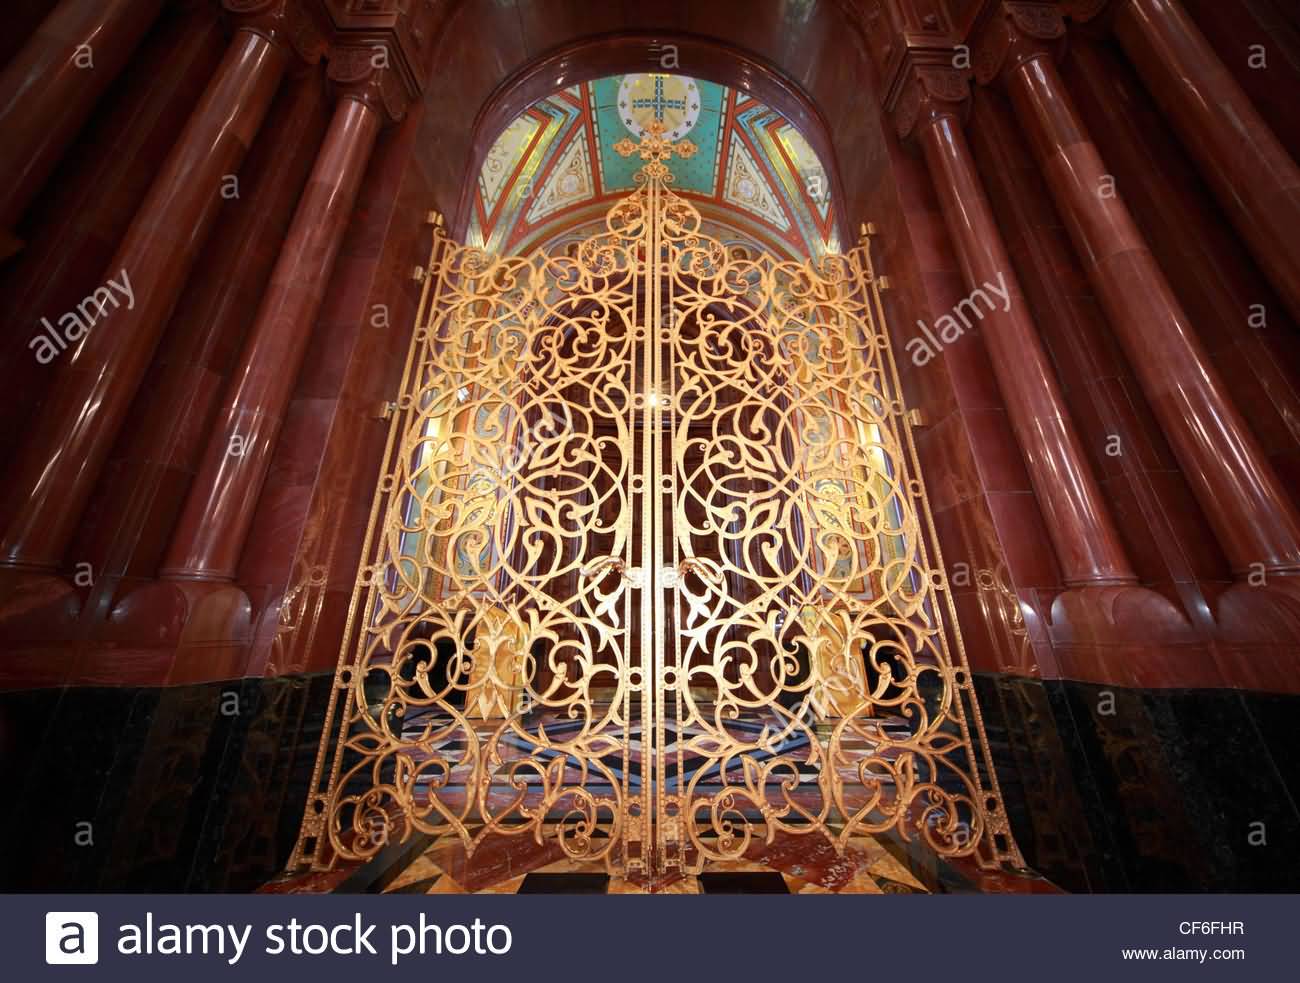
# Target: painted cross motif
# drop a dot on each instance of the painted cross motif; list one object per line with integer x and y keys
{"x": 660, "y": 102}
{"x": 645, "y": 98}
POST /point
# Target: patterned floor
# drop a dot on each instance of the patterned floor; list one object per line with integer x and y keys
{"x": 788, "y": 865}
{"x": 800, "y": 868}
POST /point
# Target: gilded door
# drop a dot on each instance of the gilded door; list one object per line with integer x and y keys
{"x": 650, "y": 572}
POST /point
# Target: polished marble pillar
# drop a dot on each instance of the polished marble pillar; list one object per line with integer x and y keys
{"x": 62, "y": 457}
{"x": 132, "y": 513}
{"x": 92, "y": 196}
{"x": 1253, "y": 177}
{"x": 218, "y": 512}
{"x": 1251, "y": 512}
{"x": 50, "y": 87}
{"x": 1083, "y": 533}
{"x": 1211, "y": 272}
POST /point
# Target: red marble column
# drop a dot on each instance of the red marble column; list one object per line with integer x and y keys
{"x": 1252, "y": 175}
{"x": 1087, "y": 544}
{"x": 1212, "y": 273}
{"x": 131, "y": 515}
{"x": 1251, "y": 512}
{"x": 210, "y": 535}
{"x": 92, "y": 196}
{"x": 61, "y": 459}
{"x": 50, "y": 87}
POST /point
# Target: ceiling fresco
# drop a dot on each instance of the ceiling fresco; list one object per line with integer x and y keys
{"x": 553, "y": 170}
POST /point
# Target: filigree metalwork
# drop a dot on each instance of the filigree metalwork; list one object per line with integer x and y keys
{"x": 651, "y": 569}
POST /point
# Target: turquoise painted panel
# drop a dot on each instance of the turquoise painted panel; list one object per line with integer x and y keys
{"x": 696, "y": 174}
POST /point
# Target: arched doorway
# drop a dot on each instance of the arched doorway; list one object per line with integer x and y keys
{"x": 651, "y": 571}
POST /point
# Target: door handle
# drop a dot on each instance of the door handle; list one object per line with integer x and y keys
{"x": 706, "y": 569}
{"x": 634, "y": 576}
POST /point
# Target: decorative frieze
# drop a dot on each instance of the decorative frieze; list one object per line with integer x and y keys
{"x": 401, "y": 29}
{"x": 899, "y": 34}
{"x": 377, "y": 49}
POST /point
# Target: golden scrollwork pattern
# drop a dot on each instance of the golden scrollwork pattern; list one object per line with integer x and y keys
{"x": 650, "y": 570}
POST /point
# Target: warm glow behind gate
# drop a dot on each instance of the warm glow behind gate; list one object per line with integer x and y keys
{"x": 672, "y": 497}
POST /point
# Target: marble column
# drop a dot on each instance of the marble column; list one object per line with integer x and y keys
{"x": 1252, "y": 175}
{"x": 62, "y": 457}
{"x": 50, "y": 87}
{"x": 218, "y": 511}
{"x": 150, "y": 471}
{"x": 1211, "y": 273}
{"x": 98, "y": 192}
{"x": 1249, "y": 509}
{"x": 1083, "y": 533}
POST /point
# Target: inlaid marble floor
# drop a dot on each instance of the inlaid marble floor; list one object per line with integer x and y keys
{"x": 788, "y": 865}
{"x": 792, "y": 864}
{"x": 796, "y": 866}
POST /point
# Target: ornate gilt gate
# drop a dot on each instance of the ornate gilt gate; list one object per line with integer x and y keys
{"x": 650, "y": 568}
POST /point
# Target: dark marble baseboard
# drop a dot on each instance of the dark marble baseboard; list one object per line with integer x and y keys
{"x": 194, "y": 788}
{"x": 201, "y": 788}
{"x": 1113, "y": 789}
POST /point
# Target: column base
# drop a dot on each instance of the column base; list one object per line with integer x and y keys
{"x": 206, "y": 626}
{"x": 38, "y": 606}
{"x": 38, "y": 620}
{"x": 1259, "y": 634}
{"x": 1128, "y": 636}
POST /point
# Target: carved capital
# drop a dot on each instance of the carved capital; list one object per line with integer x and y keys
{"x": 929, "y": 92}
{"x": 899, "y": 33}
{"x": 291, "y": 24}
{"x": 366, "y": 75}
{"x": 405, "y": 31}
{"x": 1017, "y": 31}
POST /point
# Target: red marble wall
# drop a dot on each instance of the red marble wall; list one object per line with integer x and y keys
{"x": 285, "y": 612}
